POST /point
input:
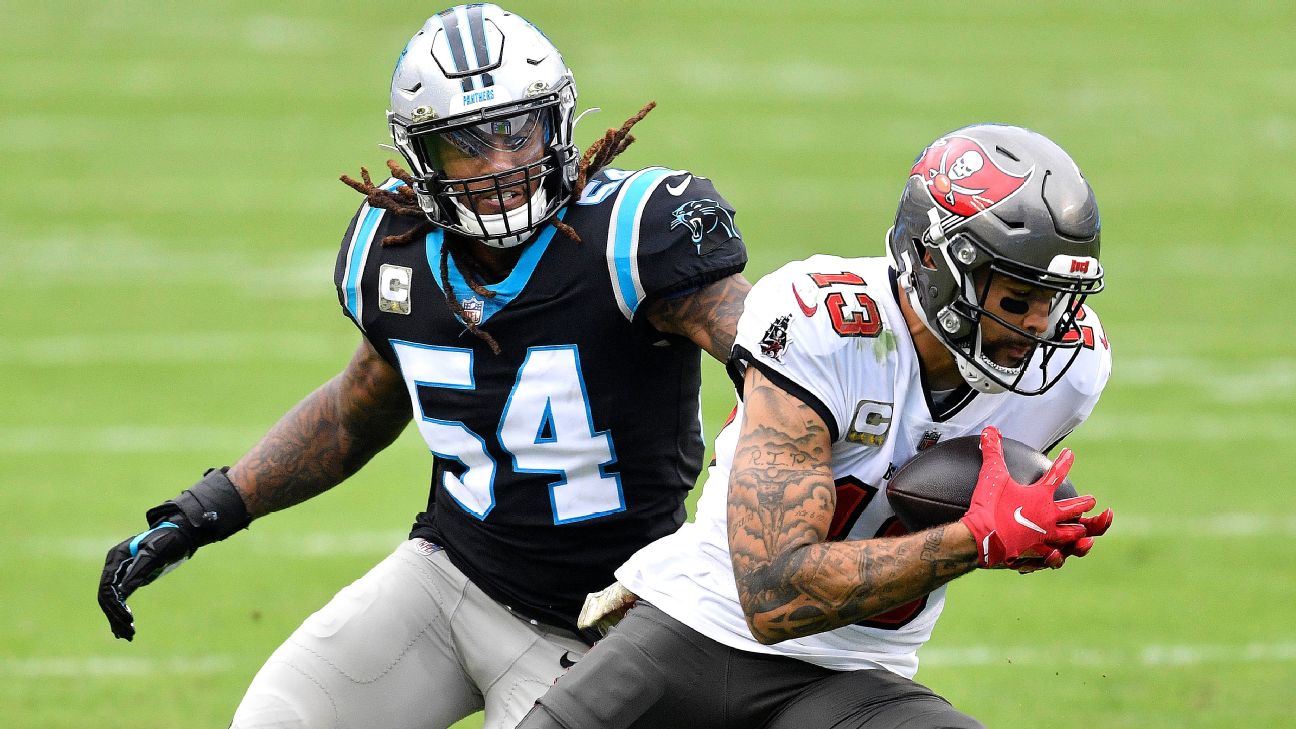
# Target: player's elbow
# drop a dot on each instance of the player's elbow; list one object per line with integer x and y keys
{"x": 764, "y": 632}
{"x": 764, "y": 626}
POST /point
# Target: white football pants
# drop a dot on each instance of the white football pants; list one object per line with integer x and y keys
{"x": 412, "y": 644}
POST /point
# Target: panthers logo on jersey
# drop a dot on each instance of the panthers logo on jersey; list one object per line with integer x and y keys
{"x": 705, "y": 219}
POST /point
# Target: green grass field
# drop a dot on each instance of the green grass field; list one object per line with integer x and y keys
{"x": 171, "y": 214}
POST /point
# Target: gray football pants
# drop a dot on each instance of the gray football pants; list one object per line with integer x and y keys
{"x": 412, "y": 644}
{"x": 654, "y": 672}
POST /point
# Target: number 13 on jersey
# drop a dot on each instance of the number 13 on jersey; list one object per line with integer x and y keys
{"x": 546, "y": 427}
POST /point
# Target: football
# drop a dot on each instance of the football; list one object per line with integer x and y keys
{"x": 935, "y": 486}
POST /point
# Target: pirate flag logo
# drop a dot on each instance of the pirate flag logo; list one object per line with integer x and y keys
{"x": 962, "y": 178}
{"x": 775, "y": 341}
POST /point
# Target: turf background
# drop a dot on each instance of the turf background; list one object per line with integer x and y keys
{"x": 171, "y": 213}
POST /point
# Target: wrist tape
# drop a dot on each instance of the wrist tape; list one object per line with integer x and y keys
{"x": 211, "y": 509}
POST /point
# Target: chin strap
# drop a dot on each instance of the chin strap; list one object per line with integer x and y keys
{"x": 477, "y": 226}
{"x": 975, "y": 378}
{"x": 591, "y": 110}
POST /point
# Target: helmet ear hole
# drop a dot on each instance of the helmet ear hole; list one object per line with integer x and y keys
{"x": 928, "y": 262}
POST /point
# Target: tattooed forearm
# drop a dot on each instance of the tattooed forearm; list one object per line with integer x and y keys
{"x": 820, "y": 587}
{"x": 708, "y": 316}
{"x": 326, "y": 437}
{"x": 791, "y": 582}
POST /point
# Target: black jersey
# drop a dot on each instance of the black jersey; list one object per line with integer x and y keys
{"x": 576, "y": 445}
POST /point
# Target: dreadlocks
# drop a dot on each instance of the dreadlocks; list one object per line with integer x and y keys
{"x": 599, "y": 155}
{"x": 402, "y": 201}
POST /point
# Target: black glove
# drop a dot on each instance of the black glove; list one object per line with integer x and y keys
{"x": 206, "y": 513}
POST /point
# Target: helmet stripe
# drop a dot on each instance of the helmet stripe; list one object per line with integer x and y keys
{"x": 454, "y": 37}
{"x": 477, "y": 28}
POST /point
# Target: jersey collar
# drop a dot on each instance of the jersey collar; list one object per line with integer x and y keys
{"x": 506, "y": 290}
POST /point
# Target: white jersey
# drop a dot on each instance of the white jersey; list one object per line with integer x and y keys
{"x": 830, "y": 331}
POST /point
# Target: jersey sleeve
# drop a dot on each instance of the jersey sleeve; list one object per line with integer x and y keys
{"x": 349, "y": 269}
{"x": 1085, "y": 380}
{"x": 670, "y": 232}
{"x": 787, "y": 332}
{"x": 363, "y": 238}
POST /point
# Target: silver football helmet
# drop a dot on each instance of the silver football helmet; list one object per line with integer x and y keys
{"x": 988, "y": 201}
{"x": 482, "y": 110}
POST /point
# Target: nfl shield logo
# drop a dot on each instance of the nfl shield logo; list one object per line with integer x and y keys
{"x": 929, "y": 439}
{"x": 473, "y": 308}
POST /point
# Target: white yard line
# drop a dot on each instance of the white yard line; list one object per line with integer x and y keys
{"x": 1217, "y": 525}
{"x": 1152, "y": 655}
{"x": 1156, "y": 655}
{"x": 375, "y": 543}
{"x": 112, "y": 666}
{"x": 125, "y": 439}
{"x": 95, "y": 259}
{"x": 271, "y": 541}
{"x": 178, "y": 348}
{"x": 1171, "y": 428}
{"x": 1255, "y": 381}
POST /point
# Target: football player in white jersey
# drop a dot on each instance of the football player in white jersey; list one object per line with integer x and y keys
{"x": 797, "y": 599}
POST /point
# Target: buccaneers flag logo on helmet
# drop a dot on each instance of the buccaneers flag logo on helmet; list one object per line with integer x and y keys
{"x": 962, "y": 178}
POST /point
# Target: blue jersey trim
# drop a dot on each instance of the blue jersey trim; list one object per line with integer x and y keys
{"x": 631, "y": 205}
{"x": 359, "y": 251}
{"x": 506, "y": 290}
{"x": 592, "y": 433}
{"x": 548, "y": 430}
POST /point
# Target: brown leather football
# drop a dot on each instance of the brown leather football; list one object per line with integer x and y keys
{"x": 935, "y": 486}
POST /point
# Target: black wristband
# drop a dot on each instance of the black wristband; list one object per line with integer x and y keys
{"x": 211, "y": 510}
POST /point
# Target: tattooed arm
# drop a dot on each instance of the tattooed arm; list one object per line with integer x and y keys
{"x": 708, "y": 316}
{"x": 327, "y": 437}
{"x": 781, "y": 499}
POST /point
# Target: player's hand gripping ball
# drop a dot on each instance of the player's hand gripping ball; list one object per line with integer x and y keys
{"x": 936, "y": 487}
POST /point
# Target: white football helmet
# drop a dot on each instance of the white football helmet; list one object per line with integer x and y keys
{"x": 482, "y": 110}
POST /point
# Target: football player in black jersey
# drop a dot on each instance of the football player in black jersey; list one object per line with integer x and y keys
{"x": 540, "y": 316}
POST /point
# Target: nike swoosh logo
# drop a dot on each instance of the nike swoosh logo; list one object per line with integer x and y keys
{"x": 807, "y": 310}
{"x": 1017, "y": 517}
{"x": 985, "y": 547}
{"x": 677, "y": 190}
{"x": 565, "y": 660}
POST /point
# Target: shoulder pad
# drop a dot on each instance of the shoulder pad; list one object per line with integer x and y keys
{"x": 365, "y": 233}
{"x": 668, "y": 231}
{"x": 819, "y": 325}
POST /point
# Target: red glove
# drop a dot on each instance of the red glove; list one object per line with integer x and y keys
{"x": 1010, "y": 521}
{"x": 1095, "y": 526}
